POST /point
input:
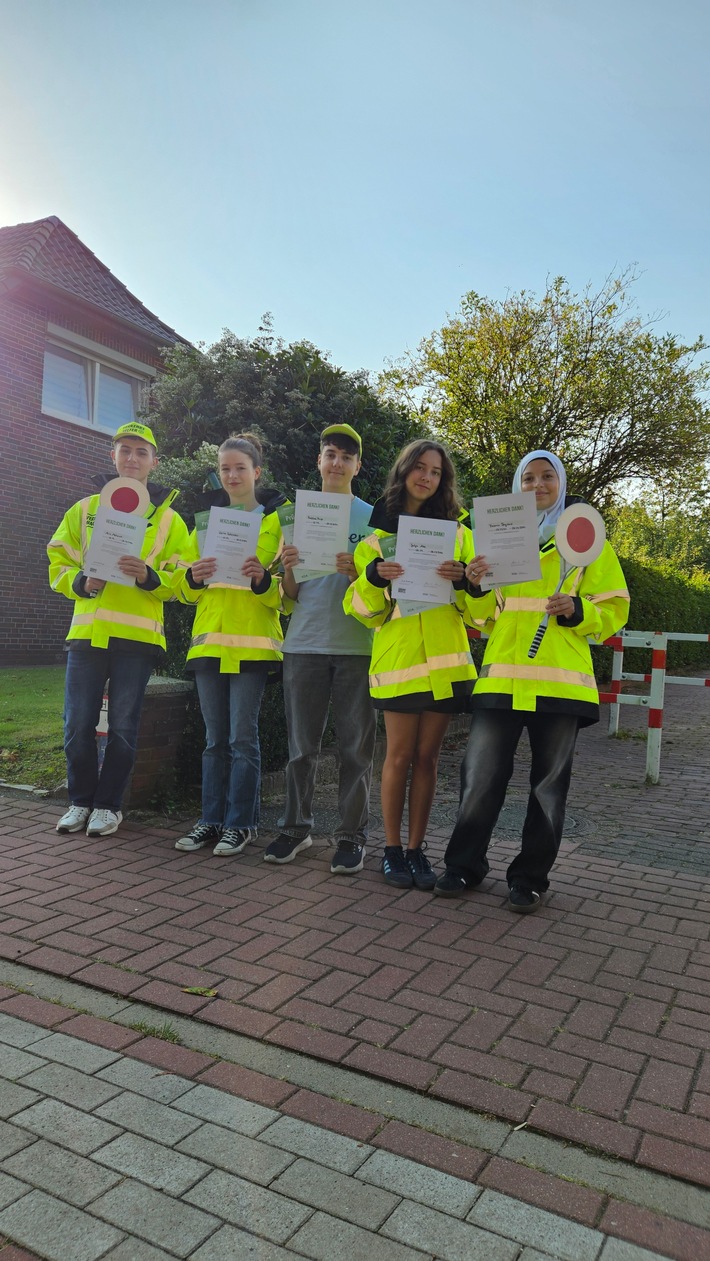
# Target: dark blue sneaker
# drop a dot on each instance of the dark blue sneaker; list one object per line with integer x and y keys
{"x": 525, "y": 901}
{"x": 394, "y": 867}
{"x": 421, "y": 870}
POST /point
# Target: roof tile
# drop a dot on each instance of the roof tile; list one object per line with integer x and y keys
{"x": 49, "y": 252}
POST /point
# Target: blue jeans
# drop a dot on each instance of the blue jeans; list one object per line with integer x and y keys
{"x": 311, "y": 682}
{"x": 231, "y": 762}
{"x": 87, "y": 672}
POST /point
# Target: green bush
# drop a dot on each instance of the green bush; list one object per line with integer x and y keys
{"x": 662, "y": 599}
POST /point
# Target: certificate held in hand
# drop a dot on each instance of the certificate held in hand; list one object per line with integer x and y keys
{"x": 119, "y": 529}
{"x": 320, "y": 530}
{"x": 505, "y": 532}
{"x": 231, "y": 537}
{"x": 423, "y": 544}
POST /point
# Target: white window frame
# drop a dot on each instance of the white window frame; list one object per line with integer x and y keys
{"x": 95, "y": 357}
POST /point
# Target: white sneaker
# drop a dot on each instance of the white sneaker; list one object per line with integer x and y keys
{"x": 74, "y": 820}
{"x": 103, "y": 822}
{"x": 234, "y": 840}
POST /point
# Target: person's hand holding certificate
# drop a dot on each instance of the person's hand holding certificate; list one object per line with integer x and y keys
{"x": 231, "y": 540}
{"x": 424, "y": 545}
{"x": 505, "y": 532}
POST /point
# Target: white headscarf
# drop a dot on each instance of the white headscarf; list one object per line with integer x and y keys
{"x": 547, "y": 519}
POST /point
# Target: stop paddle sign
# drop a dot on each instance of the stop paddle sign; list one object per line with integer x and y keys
{"x": 580, "y": 535}
{"x": 125, "y": 494}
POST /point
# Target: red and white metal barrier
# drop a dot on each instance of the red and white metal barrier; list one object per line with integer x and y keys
{"x": 657, "y": 642}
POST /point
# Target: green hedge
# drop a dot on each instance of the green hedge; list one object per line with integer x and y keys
{"x": 664, "y": 600}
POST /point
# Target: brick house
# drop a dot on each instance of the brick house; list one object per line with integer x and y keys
{"x": 76, "y": 352}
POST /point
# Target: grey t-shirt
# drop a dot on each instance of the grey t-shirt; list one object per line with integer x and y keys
{"x": 318, "y": 623}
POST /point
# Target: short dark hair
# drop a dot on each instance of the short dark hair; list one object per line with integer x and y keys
{"x": 342, "y": 442}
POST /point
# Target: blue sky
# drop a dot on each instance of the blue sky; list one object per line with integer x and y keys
{"x": 355, "y": 166}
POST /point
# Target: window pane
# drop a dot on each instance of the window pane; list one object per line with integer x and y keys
{"x": 64, "y": 388}
{"x": 116, "y": 399}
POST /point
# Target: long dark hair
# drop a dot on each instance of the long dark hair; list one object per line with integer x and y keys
{"x": 444, "y": 504}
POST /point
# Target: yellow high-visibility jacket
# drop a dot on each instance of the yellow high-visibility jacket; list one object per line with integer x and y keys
{"x": 425, "y": 652}
{"x": 235, "y": 624}
{"x": 119, "y": 612}
{"x": 560, "y": 678}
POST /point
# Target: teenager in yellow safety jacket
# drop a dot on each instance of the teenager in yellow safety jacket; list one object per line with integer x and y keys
{"x": 421, "y": 669}
{"x": 236, "y": 645}
{"x": 116, "y": 631}
{"x": 552, "y": 695}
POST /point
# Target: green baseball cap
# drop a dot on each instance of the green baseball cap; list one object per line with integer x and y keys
{"x": 346, "y": 430}
{"x": 135, "y": 430}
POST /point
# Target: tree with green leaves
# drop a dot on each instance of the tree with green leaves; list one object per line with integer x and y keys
{"x": 579, "y": 374}
{"x": 668, "y": 523}
{"x": 285, "y": 393}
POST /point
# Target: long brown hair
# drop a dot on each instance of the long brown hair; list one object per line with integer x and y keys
{"x": 444, "y": 504}
{"x": 248, "y": 444}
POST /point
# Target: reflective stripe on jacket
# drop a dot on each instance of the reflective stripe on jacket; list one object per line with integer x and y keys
{"x": 562, "y": 669}
{"x": 424, "y": 652}
{"x": 118, "y": 612}
{"x": 234, "y": 624}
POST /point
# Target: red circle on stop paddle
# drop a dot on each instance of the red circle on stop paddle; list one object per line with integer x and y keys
{"x": 125, "y": 499}
{"x": 581, "y": 534}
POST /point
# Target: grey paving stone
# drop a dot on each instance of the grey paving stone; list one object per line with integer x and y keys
{"x": 75, "y": 1052}
{"x": 15, "y": 1063}
{"x": 328, "y": 1239}
{"x": 245, "y": 1204}
{"x": 619, "y": 1250}
{"x": 67, "y": 1126}
{"x": 329, "y": 1190}
{"x": 13, "y": 1098}
{"x": 446, "y": 1237}
{"x": 536, "y": 1227}
{"x": 157, "y": 1218}
{"x": 56, "y": 1231}
{"x": 79, "y": 1089}
{"x": 46, "y": 1166}
{"x": 532, "y": 1254}
{"x": 345, "y": 1154}
{"x": 11, "y": 1189}
{"x": 147, "y": 1117}
{"x": 416, "y": 1182}
{"x": 19, "y": 1032}
{"x": 12, "y": 1139}
{"x": 247, "y": 1157}
{"x": 230, "y": 1244}
{"x": 159, "y": 1166}
{"x": 226, "y": 1110}
{"x": 137, "y": 1250}
{"x": 145, "y": 1079}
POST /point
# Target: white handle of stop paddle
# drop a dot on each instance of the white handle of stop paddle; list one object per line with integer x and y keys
{"x": 540, "y": 632}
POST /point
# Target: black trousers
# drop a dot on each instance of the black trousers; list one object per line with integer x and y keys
{"x": 485, "y": 773}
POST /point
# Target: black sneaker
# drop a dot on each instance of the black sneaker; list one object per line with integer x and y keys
{"x": 525, "y": 901}
{"x": 285, "y": 848}
{"x": 202, "y": 834}
{"x": 348, "y": 858}
{"x": 394, "y": 867}
{"x": 234, "y": 840}
{"x": 451, "y": 885}
{"x": 421, "y": 869}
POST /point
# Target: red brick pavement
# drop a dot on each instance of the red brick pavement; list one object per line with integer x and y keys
{"x": 590, "y": 1020}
